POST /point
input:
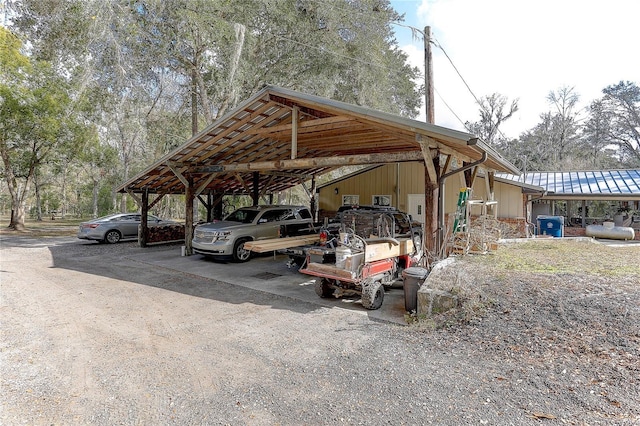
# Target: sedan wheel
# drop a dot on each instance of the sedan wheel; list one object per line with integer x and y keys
{"x": 112, "y": 237}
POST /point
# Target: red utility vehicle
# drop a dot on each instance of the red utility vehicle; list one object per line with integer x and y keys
{"x": 370, "y": 248}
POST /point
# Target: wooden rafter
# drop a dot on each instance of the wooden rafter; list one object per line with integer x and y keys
{"x": 306, "y": 163}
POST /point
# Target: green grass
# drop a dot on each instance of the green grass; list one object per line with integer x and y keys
{"x": 45, "y": 228}
{"x": 483, "y": 281}
{"x": 570, "y": 257}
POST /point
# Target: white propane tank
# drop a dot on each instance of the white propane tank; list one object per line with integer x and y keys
{"x": 342, "y": 253}
{"x": 607, "y": 230}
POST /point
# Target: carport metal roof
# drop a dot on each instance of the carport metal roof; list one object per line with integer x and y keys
{"x": 289, "y": 136}
{"x": 584, "y": 185}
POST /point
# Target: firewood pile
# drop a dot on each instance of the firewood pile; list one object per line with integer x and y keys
{"x": 485, "y": 231}
{"x": 165, "y": 233}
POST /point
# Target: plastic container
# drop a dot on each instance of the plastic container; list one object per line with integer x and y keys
{"x": 413, "y": 278}
{"x": 341, "y": 256}
{"x": 551, "y": 225}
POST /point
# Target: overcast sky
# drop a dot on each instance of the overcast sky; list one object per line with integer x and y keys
{"x": 522, "y": 49}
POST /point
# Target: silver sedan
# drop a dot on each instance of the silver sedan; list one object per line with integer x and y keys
{"x": 115, "y": 227}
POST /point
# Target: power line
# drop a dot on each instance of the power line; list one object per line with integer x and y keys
{"x": 450, "y": 109}
{"x": 384, "y": 67}
{"x": 439, "y": 46}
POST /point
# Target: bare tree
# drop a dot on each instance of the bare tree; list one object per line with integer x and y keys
{"x": 565, "y": 120}
{"x": 493, "y": 113}
{"x": 622, "y": 103}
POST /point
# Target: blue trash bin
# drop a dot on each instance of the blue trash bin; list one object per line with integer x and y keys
{"x": 551, "y": 225}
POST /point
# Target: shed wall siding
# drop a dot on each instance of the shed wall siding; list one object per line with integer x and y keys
{"x": 382, "y": 181}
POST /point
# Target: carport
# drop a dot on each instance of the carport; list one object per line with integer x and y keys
{"x": 280, "y": 138}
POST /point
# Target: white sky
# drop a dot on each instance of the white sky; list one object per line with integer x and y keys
{"x": 522, "y": 49}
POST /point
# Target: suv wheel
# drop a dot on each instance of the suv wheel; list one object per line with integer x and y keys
{"x": 239, "y": 253}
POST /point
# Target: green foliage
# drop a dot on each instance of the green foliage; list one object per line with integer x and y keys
{"x": 131, "y": 67}
{"x": 38, "y": 122}
{"x": 107, "y": 86}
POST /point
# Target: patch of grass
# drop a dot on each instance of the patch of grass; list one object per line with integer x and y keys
{"x": 483, "y": 282}
{"x": 45, "y": 228}
{"x": 566, "y": 257}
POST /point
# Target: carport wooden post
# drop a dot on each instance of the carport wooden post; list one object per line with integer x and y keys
{"x": 256, "y": 188}
{"x": 217, "y": 207}
{"x": 188, "y": 220}
{"x": 431, "y": 191}
{"x": 144, "y": 219}
{"x": 313, "y": 202}
{"x": 431, "y": 205}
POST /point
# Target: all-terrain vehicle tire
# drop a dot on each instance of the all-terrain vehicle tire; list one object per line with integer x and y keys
{"x": 323, "y": 288}
{"x": 373, "y": 295}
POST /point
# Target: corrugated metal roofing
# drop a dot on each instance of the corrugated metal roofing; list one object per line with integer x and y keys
{"x": 619, "y": 183}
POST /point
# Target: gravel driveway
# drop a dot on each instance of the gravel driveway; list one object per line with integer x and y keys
{"x": 92, "y": 336}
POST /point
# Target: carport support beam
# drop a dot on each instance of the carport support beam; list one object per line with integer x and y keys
{"x": 144, "y": 219}
{"x": 188, "y": 220}
{"x": 313, "y": 202}
{"x": 431, "y": 195}
{"x": 256, "y": 188}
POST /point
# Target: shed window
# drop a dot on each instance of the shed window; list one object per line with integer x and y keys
{"x": 350, "y": 200}
{"x": 381, "y": 200}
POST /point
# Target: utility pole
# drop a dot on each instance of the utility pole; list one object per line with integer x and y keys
{"x": 431, "y": 186}
{"x": 428, "y": 76}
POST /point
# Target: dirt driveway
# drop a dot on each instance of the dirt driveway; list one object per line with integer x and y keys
{"x": 93, "y": 335}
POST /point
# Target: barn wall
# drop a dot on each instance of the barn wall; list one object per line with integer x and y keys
{"x": 509, "y": 197}
{"x": 379, "y": 181}
{"x": 382, "y": 181}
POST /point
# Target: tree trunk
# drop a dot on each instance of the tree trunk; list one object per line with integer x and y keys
{"x": 94, "y": 212}
{"x": 123, "y": 199}
{"x": 63, "y": 204}
{"x": 17, "y": 217}
{"x": 17, "y": 196}
{"x": 231, "y": 87}
{"x": 36, "y": 184}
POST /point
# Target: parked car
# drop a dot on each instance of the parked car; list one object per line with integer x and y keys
{"x": 115, "y": 227}
{"x": 227, "y": 237}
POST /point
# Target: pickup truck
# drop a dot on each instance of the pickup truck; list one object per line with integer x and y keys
{"x": 226, "y": 238}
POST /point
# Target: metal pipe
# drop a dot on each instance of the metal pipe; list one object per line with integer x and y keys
{"x": 398, "y": 186}
{"x": 441, "y": 195}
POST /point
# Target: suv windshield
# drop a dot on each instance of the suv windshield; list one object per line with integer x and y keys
{"x": 242, "y": 215}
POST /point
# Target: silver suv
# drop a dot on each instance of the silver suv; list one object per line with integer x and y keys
{"x": 227, "y": 237}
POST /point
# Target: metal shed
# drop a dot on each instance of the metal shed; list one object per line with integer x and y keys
{"x": 576, "y": 188}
